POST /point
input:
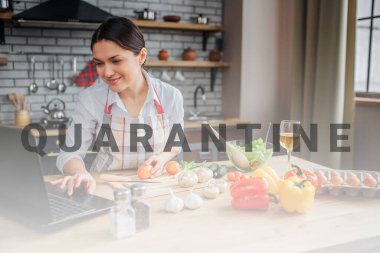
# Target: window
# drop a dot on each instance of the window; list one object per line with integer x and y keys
{"x": 367, "y": 65}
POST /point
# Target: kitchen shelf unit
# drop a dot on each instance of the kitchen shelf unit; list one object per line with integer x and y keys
{"x": 187, "y": 64}
{"x": 191, "y": 64}
{"x": 205, "y": 29}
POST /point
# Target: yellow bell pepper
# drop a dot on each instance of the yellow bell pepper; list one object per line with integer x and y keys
{"x": 296, "y": 195}
{"x": 270, "y": 175}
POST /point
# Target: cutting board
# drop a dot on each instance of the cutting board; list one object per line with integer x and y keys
{"x": 166, "y": 182}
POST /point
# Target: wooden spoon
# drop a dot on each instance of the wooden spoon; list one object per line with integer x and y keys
{"x": 12, "y": 98}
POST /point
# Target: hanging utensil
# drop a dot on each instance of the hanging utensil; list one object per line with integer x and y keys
{"x": 75, "y": 74}
{"x": 33, "y": 87}
{"x": 53, "y": 84}
{"x": 62, "y": 86}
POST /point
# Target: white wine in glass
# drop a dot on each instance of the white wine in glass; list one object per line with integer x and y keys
{"x": 290, "y": 132}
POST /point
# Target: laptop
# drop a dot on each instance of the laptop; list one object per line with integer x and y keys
{"x": 26, "y": 197}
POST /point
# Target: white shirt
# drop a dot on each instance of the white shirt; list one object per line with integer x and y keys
{"x": 90, "y": 109}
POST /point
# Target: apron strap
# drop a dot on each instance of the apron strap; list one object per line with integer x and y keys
{"x": 157, "y": 102}
{"x": 107, "y": 108}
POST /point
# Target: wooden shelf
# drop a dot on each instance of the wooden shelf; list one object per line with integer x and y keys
{"x": 178, "y": 26}
{"x": 205, "y": 29}
{"x": 3, "y": 61}
{"x": 187, "y": 64}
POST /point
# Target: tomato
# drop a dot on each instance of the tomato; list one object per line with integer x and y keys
{"x": 144, "y": 171}
{"x": 232, "y": 176}
{"x": 302, "y": 174}
{"x": 172, "y": 167}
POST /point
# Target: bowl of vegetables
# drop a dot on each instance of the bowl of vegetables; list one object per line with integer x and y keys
{"x": 247, "y": 160}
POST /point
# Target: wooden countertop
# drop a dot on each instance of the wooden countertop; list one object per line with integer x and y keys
{"x": 216, "y": 227}
{"x": 189, "y": 125}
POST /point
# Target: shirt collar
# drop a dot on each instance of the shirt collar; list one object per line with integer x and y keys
{"x": 113, "y": 97}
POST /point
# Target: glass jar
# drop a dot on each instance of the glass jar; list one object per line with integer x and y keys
{"x": 123, "y": 222}
{"x": 141, "y": 207}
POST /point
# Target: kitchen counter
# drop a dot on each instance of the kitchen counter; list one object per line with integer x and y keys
{"x": 188, "y": 125}
{"x": 332, "y": 223}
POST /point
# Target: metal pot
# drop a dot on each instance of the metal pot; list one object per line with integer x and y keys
{"x": 55, "y": 110}
{"x": 146, "y": 14}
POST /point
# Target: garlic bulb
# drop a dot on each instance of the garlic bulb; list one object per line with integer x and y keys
{"x": 193, "y": 201}
{"x": 211, "y": 191}
{"x": 173, "y": 204}
{"x": 187, "y": 178}
{"x": 204, "y": 174}
{"x": 222, "y": 185}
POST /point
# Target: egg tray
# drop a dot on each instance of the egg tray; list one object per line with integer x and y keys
{"x": 346, "y": 189}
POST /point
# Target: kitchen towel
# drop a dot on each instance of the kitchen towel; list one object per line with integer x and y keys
{"x": 87, "y": 76}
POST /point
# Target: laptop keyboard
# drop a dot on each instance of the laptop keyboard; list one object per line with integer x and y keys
{"x": 62, "y": 208}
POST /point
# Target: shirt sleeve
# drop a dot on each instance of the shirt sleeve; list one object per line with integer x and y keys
{"x": 85, "y": 119}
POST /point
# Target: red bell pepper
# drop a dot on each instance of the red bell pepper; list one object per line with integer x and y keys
{"x": 251, "y": 193}
{"x": 260, "y": 202}
{"x": 302, "y": 174}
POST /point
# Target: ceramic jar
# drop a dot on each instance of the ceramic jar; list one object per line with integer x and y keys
{"x": 189, "y": 54}
{"x": 214, "y": 55}
{"x": 163, "y": 55}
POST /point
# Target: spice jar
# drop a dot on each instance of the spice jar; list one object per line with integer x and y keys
{"x": 141, "y": 206}
{"x": 189, "y": 54}
{"x": 214, "y": 55}
{"x": 122, "y": 215}
{"x": 163, "y": 55}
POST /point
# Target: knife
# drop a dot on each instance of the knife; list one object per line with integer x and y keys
{"x": 116, "y": 178}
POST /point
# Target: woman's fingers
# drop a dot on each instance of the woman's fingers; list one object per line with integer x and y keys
{"x": 64, "y": 182}
{"x": 70, "y": 186}
{"x": 78, "y": 180}
{"x": 57, "y": 181}
{"x": 91, "y": 186}
{"x": 157, "y": 169}
{"x": 72, "y": 182}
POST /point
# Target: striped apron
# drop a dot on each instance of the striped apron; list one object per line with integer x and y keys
{"x": 106, "y": 159}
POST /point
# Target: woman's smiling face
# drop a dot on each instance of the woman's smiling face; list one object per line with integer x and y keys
{"x": 118, "y": 67}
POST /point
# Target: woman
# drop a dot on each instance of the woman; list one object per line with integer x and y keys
{"x": 122, "y": 95}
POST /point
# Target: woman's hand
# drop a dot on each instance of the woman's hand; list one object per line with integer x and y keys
{"x": 74, "y": 181}
{"x": 157, "y": 161}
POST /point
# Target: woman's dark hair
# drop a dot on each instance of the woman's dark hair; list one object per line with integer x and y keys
{"x": 121, "y": 31}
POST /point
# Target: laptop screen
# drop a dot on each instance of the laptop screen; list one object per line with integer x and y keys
{"x": 22, "y": 189}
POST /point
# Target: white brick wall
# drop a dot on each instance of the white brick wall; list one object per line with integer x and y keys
{"x": 66, "y": 44}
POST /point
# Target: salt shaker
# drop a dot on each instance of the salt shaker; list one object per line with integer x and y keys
{"x": 123, "y": 222}
{"x": 141, "y": 206}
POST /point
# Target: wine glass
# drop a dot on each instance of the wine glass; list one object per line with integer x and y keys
{"x": 290, "y": 132}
